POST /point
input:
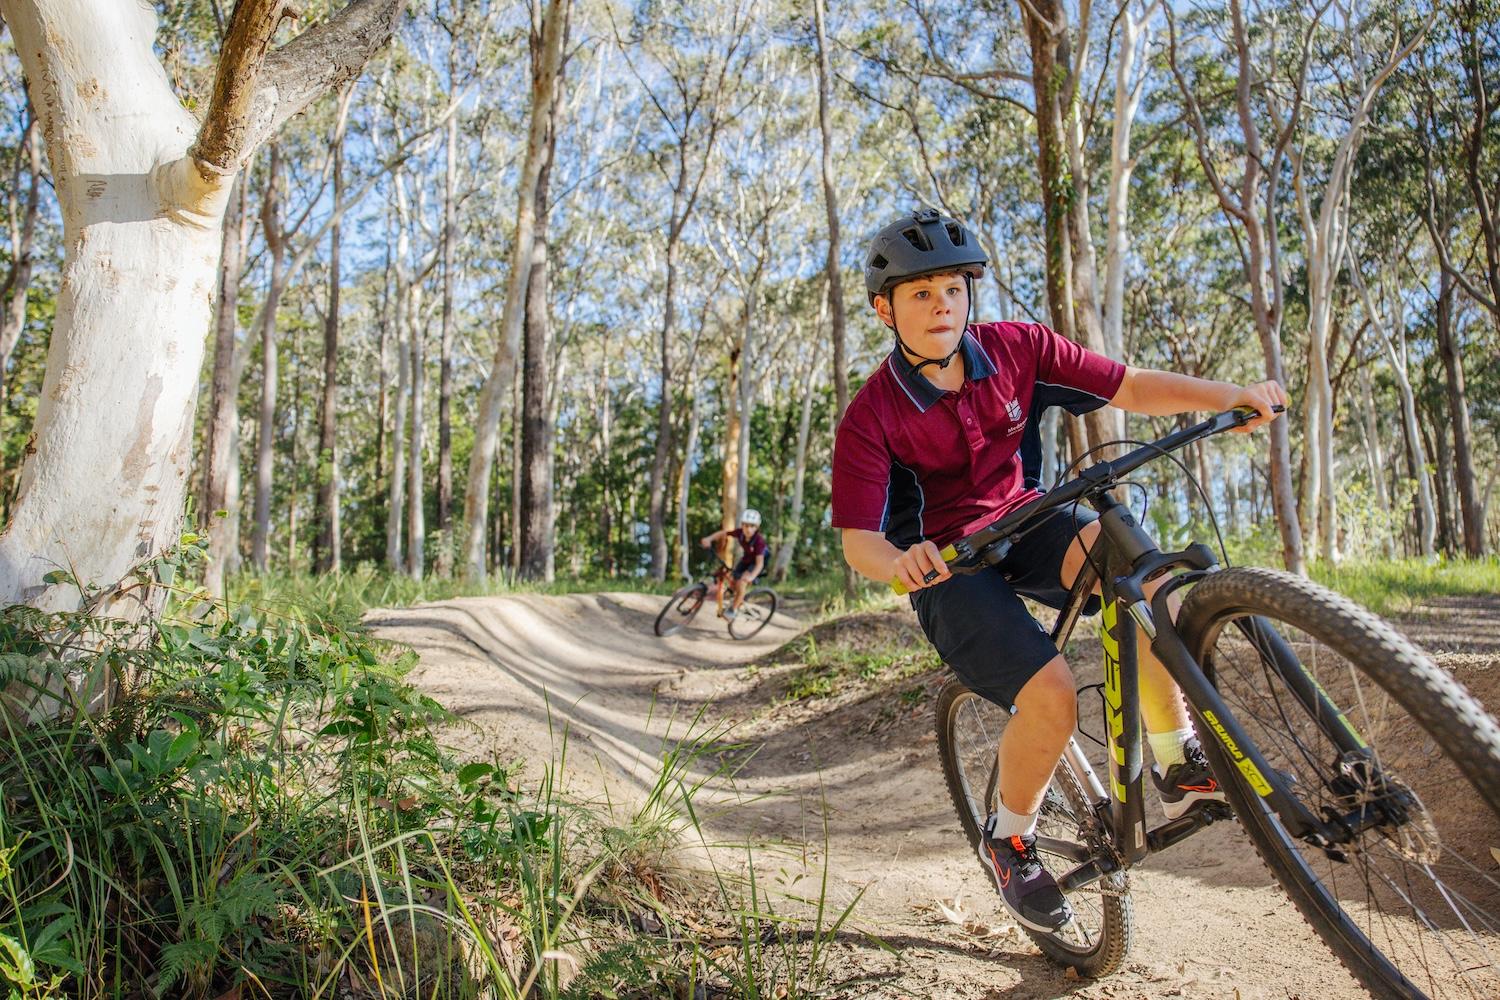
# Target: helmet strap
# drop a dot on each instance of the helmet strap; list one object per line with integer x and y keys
{"x": 942, "y": 362}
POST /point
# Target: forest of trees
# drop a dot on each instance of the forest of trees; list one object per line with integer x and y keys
{"x": 553, "y": 290}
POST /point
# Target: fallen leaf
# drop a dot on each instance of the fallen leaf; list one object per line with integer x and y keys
{"x": 954, "y": 912}
{"x": 1070, "y": 973}
{"x": 1495, "y": 853}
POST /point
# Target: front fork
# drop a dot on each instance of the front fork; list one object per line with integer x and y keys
{"x": 1139, "y": 560}
{"x": 1134, "y": 558}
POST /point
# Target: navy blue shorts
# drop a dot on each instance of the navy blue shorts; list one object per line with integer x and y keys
{"x": 746, "y": 564}
{"x": 978, "y": 623}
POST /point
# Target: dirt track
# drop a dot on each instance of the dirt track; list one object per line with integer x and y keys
{"x": 522, "y": 668}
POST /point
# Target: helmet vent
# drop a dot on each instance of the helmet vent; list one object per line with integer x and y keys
{"x": 955, "y": 234}
{"x": 917, "y": 238}
{"x": 879, "y": 262}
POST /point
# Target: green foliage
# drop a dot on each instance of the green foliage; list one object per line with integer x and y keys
{"x": 265, "y": 802}
{"x": 1396, "y": 586}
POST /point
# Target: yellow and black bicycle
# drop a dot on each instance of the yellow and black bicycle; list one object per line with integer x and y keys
{"x": 1367, "y": 777}
{"x": 754, "y": 613}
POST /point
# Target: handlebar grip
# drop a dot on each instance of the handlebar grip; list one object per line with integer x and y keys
{"x": 948, "y": 555}
{"x": 1247, "y": 412}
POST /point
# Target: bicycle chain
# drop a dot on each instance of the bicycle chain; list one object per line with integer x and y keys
{"x": 1090, "y": 832}
{"x": 1097, "y": 889}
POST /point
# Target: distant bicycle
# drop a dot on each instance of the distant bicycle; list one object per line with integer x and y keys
{"x": 754, "y": 613}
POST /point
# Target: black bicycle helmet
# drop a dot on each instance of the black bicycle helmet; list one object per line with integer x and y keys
{"x": 918, "y": 243}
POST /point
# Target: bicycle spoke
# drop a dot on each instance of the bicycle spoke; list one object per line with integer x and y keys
{"x": 977, "y": 728}
{"x": 1408, "y": 885}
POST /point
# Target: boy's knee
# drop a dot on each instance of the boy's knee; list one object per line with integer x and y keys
{"x": 1077, "y": 552}
{"x": 1050, "y": 696}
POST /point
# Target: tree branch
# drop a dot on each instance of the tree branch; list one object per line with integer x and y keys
{"x": 223, "y": 138}
{"x": 318, "y": 60}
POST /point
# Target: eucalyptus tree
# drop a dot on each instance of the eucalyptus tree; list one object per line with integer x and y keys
{"x": 535, "y": 515}
{"x": 835, "y": 266}
{"x": 1353, "y": 76}
{"x": 1452, "y": 115}
{"x": 755, "y": 231}
{"x": 548, "y": 25}
{"x": 687, "y": 59}
{"x": 1251, "y": 201}
{"x": 143, "y": 186}
{"x": 327, "y": 541}
{"x": 464, "y": 52}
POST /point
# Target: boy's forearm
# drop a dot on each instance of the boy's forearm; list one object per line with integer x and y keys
{"x": 870, "y": 554}
{"x": 1160, "y": 394}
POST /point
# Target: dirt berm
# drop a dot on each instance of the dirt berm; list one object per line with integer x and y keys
{"x": 524, "y": 668}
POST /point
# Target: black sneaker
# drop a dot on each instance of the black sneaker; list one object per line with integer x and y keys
{"x": 1188, "y": 783}
{"x": 1028, "y": 890}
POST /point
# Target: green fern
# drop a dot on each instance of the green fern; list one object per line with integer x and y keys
{"x": 185, "y": 960}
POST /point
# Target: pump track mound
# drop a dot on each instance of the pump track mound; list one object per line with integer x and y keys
{"x": 525, "y": 672}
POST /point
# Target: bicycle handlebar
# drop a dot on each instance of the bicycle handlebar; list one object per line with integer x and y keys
{"x": 1095, "y": 479}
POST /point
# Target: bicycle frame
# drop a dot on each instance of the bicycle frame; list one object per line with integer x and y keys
{"x": 1129, "y": 558}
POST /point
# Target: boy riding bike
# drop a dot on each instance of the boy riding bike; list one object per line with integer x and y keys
{"x": 943, "y": 438}
{"x": 753, "y": 550}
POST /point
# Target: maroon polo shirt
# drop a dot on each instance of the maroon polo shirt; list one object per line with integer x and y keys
{"x": 754, "y": 546}
{"x": 917, "y": 463}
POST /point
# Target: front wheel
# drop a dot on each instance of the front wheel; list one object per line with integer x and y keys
{"x": 1068, "y": 833}
{"x": 1366, "y": 729}
{"x": 681, "y": 609}
{"x": 754, "y": 613}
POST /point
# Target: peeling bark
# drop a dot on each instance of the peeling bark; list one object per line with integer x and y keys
{"x": 142, "y": 234}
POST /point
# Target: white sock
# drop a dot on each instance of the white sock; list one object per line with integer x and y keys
{"x": 1167, "y": 747}
{"x": 1004, "y": 823}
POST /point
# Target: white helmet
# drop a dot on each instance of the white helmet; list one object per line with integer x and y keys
{"x": 750, "y": 516}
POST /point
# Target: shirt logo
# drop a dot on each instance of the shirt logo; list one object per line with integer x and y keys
{"x": 1013, "y": 410}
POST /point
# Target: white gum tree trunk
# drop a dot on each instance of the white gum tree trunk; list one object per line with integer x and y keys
{"x": 395, "y": 552}
{"x": 1327, "y": 234}
{"x": 142, "y": 188}
{"x": 502, "y": 368}
{"x": 1392, "y": 330}
{"x": 1135, "y": 34}
{"x": 270, "y": 367}
{"x": 416, "y": 524}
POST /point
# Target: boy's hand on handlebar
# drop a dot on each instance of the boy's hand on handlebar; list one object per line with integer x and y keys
{"x": 1264, "y": 398}
{"x": 920, "y": 566}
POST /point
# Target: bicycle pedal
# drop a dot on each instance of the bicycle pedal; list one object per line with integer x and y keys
{"x": 1217, "y": 810}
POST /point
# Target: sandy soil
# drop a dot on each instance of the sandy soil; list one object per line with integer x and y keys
{"x": 523, "y": 669}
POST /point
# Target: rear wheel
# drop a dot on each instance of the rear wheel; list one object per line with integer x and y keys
{"x": 681, "y": 609}
{"x": 1068, "y": 832}
{"x": 1366, "y": 728}
{"x": 754, "y": 613}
